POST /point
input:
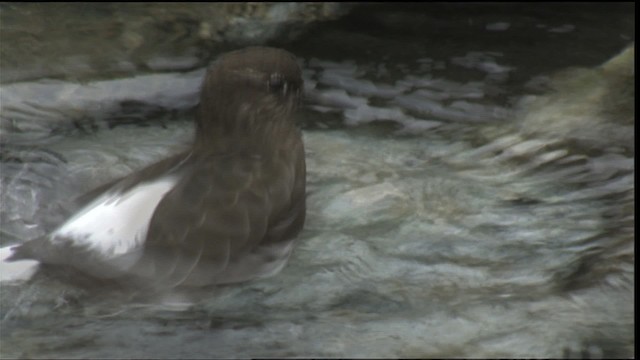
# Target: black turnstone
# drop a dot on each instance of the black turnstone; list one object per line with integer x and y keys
{"x": 227, "y": 210}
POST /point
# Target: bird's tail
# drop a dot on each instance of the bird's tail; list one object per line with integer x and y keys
{"x": 15, "y": 270}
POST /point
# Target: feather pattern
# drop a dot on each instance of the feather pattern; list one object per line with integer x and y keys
{"x": 116, "y": 223}
{"x": 225, "y": 211}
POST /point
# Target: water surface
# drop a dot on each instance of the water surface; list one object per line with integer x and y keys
{"x": 452, "y": 211}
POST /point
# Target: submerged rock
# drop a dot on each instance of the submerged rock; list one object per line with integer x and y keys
{"x": 593, "y": 107}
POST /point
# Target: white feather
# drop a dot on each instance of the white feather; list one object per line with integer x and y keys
{"x": 116, "y": 223}
{"x": 15, "y": 270}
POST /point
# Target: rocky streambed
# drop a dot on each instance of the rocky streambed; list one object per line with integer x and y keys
{"x": 471, "y": 194}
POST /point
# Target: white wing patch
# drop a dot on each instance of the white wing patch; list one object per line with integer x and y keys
{"x": 116, "y": 223}
{"x": 20, "y": 270}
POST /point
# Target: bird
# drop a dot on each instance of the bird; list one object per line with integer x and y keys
{"x": 226, "y": 210}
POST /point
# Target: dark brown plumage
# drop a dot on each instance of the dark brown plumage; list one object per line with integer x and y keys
{"x": 236, "y": 199}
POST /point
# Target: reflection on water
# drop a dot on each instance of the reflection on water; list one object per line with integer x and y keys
{"x": 448, "y": 214}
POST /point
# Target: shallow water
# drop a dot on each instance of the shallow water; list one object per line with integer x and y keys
{"x": 440, "y": 224}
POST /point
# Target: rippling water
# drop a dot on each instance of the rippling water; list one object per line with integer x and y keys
{"x": 466, "y": 199}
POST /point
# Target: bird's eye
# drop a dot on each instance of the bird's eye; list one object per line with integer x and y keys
{"x": 277, "y": 83}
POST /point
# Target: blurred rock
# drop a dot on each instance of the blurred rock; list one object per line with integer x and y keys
{"x": 593, "y": 107}
{"x": 368, "y": 205}
{"x": 117, "y": 39}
